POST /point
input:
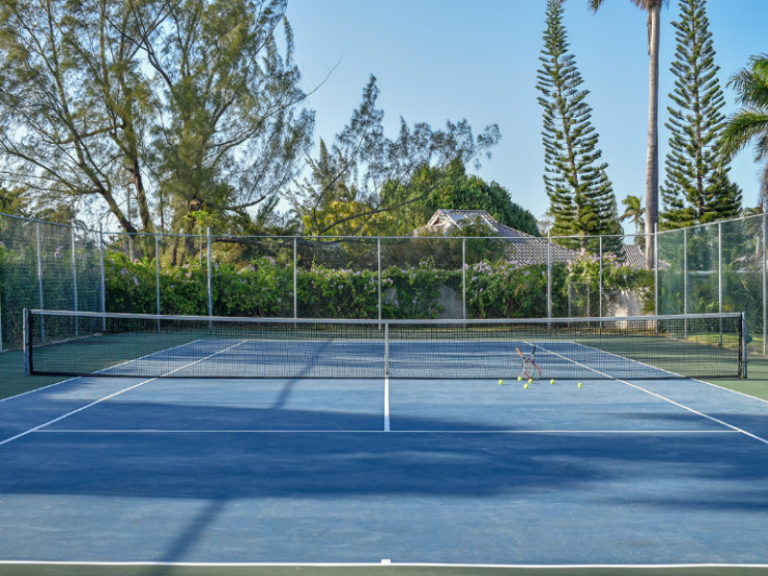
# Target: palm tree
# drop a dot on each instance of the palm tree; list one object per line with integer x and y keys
{"x": 653, "y": 7}
{"x": 751, "y": 122}
{"x": 633, "y": 209}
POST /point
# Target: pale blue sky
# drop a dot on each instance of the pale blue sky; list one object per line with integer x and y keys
{"x": 477, "y": 59}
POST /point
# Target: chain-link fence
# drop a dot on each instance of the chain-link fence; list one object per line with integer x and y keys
{"x": 44, "y": 265}
{"x": 51, "y": 266}
{"x": 718, "y": 267}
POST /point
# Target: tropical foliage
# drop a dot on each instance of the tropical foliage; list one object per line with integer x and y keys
{"x": 581, "y": 197}
{"x": 697, "y": 188}
{"x": 381, "y": 180}
{"x": 192, "y": 104}
{"x": 750, "y": 124}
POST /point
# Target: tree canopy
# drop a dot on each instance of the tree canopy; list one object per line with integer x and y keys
{"x": 582, "y": 202}
{"x": 750, "y": 124}
{"x": 168, "y": 106}
{"x": 364, "y": 178}
{"x": 697, "y": 188}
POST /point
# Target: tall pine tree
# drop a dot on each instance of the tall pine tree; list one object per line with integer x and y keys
{"x": 696, "y": 188}
{"x": 582, "y": 203}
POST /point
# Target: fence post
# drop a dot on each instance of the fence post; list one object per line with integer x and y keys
{"x": 102, "y": 287}
{"x": 600, "y": 279}
{"x": 719, "y": 267}
{"x": 378, "y": 269}
{"x": 765, "y": 302}
{"x": 295, "y": 279}
{"x": 549, "y": 274}
{"x": 720, "y": 276}
{"x": 26, "y": 337}
{"x": 157, "y": 271}
{"x": 655, "y": 239}
{"x": 210, "y": 284}
{"x": 685, "y": 279}
{"x": 74, "y": 280}
{"x": 40, "y": 280}
{"x": 463, "y": 278}
{"x": 157, "y": 278}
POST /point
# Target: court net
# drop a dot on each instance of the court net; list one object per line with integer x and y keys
{"x": 148, "y": 346}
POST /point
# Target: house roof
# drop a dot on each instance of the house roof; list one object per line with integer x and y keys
{"x": 524, "y": 248}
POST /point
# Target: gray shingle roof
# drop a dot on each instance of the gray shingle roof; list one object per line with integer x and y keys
{"x": 524, "y": 248}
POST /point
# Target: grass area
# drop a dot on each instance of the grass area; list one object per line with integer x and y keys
{"x": 756, "y": 383}
{"x": 12, "y": 378}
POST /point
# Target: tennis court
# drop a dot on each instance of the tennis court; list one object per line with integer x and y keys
{"x": 401, "y": 449}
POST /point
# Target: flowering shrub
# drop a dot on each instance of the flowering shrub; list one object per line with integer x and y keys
{"x": 617, "y": 276}
{"x": 511, "y": 290}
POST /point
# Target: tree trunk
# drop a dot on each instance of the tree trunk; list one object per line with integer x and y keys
{"x": 652, "y": 158}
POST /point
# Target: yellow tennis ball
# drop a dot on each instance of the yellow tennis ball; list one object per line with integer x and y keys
{"x": 530, "y": 380}
{"x": 525, "y": 387}
{"x": 501, "y": 382}
{"x": 552, "y": 381}
{"x": 580, "y": 384}
{"x": 519, "y": 378}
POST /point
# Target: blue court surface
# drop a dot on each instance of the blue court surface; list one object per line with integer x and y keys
{"x": 370, "y": 471}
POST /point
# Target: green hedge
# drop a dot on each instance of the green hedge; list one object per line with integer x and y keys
{"x": 264, "y": 288}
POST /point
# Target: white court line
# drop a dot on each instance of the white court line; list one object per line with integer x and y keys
{"x": 387, "y": 427}
{"x": 661, "y": 397}
{"x": 510, "y": 432}
{"x": 113, "y": 395}
{"x": 383, "y": 561}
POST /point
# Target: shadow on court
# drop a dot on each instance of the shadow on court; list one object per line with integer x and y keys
{"x": 181, "y": 480}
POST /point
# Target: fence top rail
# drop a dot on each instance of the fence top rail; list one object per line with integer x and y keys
{"x": 47, "y": 222}
{"x": 336, "y": 239}
{"x": 374, "y": 321}
{"x": 313, "y": 239}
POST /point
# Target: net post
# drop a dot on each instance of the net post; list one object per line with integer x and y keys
{"x": 743, "y": 347}
{"x": 27, "y": 341}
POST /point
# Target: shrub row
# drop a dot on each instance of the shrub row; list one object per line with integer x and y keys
{"x": 264, "y": 288}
